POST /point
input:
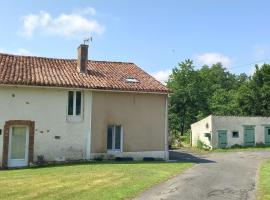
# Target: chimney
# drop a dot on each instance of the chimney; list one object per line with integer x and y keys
{"x": 82, "y": 58}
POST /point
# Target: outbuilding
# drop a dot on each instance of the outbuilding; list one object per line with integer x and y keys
{"x": 227, "y": 131}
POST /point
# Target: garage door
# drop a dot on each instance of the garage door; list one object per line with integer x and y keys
{"x": 222, "y": 139}
{"x": 267, "y": 135}
{"x": 249, "y": 136}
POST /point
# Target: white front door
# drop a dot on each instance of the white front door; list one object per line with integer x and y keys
{"x": 18, "y": 146}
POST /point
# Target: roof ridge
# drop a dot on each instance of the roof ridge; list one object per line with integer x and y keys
{"x": 109, "y": 61}
{"x": 68, "y": 59}
{"x": 33, "y": 56}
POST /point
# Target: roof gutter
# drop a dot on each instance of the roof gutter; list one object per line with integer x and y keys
{"x": 87, "y": 89}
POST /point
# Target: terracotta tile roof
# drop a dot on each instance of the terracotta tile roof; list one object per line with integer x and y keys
{"x": 51, "y": 72}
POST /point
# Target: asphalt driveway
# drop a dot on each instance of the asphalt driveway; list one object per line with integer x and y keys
{"x": 216, "y": 176}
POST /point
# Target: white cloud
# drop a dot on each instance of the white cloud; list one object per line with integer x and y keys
{"x": 212, "y": 58}
{"x": 78, "y": 24}
{"x": 19, "y": 51}
{"x": 162, "y": 75}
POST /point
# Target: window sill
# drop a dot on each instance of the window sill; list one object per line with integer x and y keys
{"x": 74, "y": 119}
{"x": 114, "y": 151}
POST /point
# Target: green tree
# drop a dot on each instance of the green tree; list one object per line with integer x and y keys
{"x": 184, "y": 101}
{"x": 254, "y": 96}
{"x": 214, "y": 90}
{"x": 224, "y": 102}
{"x": 220, "y": 88}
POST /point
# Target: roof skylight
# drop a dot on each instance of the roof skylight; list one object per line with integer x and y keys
{"x": 131, "y": 80}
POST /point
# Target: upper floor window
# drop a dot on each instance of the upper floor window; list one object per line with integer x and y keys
{"x": 74, "y": 103}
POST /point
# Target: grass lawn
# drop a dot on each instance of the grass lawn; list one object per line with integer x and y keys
{"x": 264, "y": 181}
{"x": 100, "y": 180}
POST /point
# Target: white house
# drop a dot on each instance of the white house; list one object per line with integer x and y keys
{"x": 226, "y": 131}
{"x": 78, "y": 109}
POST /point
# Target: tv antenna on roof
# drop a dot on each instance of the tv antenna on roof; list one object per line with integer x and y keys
{"x": 87, "y": 40}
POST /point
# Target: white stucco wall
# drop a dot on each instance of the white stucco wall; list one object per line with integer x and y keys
{"x": 234, "y": 123}
{"x": 48, "y": 108}
{"x": 199, "y": 129}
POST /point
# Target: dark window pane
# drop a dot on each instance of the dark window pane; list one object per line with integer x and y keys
{"x": 70, "y": 103}
{"x": 109, "y": 137}
{"x": 78, "y": 103}
{"x": 118, "y": 137}
{"x": 269, "y": 131}
{"x": 235, "y": 134}
{"x": 208, "y": 135}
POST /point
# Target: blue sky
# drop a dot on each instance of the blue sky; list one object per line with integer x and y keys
{"x": 154, "y": 34}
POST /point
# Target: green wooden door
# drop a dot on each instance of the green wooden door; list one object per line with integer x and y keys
{"x": 249, "y": 136}
{"x": 267, "y": 135}
{"x": 222, "y": 139}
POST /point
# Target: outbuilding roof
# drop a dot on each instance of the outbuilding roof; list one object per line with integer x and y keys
{"x": 53, "y": 72}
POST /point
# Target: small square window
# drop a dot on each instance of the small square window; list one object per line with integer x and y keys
{"x": 235, "y": 134}
{"x": 208, "y": 135}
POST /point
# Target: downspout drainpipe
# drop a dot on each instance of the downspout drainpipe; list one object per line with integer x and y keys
{"x": 166, "y": 156}
{"x": 88, "y": 136}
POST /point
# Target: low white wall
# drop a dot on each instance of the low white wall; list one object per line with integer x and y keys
{"x": 199, "y": 129}
{"x": 48, "y": 108}
{"x": 135, "y": 155}
{"x": 233, "y": 123}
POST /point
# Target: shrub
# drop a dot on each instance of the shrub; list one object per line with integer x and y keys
{"x": 110, "y": 157}
{"x": 174, "y": 139}
{"x": 200, "y": 144}
{"x": 260, "y": 144}
{"x": 99, "y": 158}
{"x": 186, "y": 138}
{"x": 159, "y": 159}
{"x": 123, "y": 159}
{"x": 148, "y": 159}
{"x": 235, "y": 146}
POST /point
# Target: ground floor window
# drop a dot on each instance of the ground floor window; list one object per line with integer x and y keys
{"x": 114, "y": 137}
{"x": 208, "y": 135}
{"x": 235, "y": 134}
